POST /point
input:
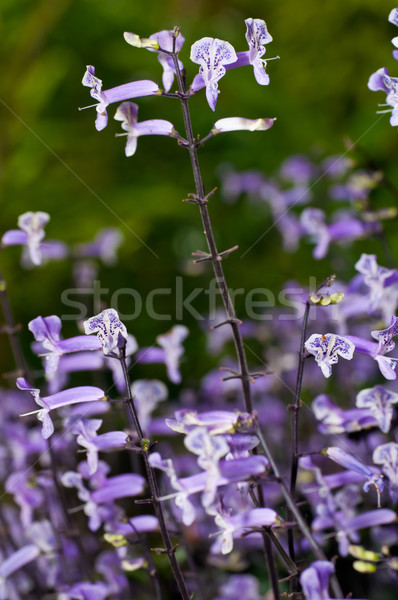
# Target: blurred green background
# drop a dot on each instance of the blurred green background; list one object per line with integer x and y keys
{"x": 53, "y": 159}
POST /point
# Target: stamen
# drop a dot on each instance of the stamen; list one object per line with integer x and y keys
{"x": 84, "y": 107}
{"x": 34, "y": 412}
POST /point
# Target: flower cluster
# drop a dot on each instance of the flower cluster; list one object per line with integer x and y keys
{"x": 131, "y": 489}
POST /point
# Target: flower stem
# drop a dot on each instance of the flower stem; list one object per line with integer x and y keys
{"x": 201, "y": 200}
{"x": 153, "y": 485}
{"x": 295, "y": 408}
{"x": 317, "y": 550}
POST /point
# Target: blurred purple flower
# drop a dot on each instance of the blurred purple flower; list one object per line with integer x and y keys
{"x": 348, "y": 461}
{"x": 104, "y": 246}
{"x": 379, "y": 402}
{"x": 387, "y": 455}
{"x": 31, "y": 234}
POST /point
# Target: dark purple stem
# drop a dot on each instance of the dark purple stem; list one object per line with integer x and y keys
{"x": 153, "y": 486}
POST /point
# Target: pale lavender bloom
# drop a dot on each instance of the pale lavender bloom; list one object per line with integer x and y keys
{"x": 371, "y": 474}
{"x": 85, "y": 590}
{"x": 327, "y": 348}
{"x": 109, "y": 565}
{"x": 298, "y": 169}
{"x": 347, "y": 527}
{"x": 336, "y": 166}
{"x": 234, "y": 526}
{"x": 140, "y": 524}
{"x": 135, "y": 89}
{"x": 241, "y": 124}
{"x": 230, "y": 471}
{"x": 212, "y": 55}
{"x": 119, "y": 486}
{"x": 127, "y": 112}
{"x": 315, "y": 580}
{"x": 170, "y": 352}
{"x": 14, "y": 562}
{"x": 379, "y": 401}
{"x": 86, "y": 431}
{"x": 104, "y": 246}
{"x": 387, "y": 455}
{"x": 147, "y": 395}
{"x": 168, "y": 41}
{"x": 64, "y": 398}
{"x": 334, "y": 420}
{"x": 215, "y": 421}
{"x": 313, "y": 222}
{"x": 111, "y": 332}
{"x": 376, "y": 278}
{"x": 240, "y": 587}
{"x": 98, "y": 503}
{"x": 381, "y": 81}
{"x": 257, "y": 35}
{"x": 46, "y": 331}
{"x": 393, "y": 18}
{"x": 210, "y": 450}
{"x": 30, "y": 233}
{"x": 377, "y": 351}
{"x": 26, "y": 494}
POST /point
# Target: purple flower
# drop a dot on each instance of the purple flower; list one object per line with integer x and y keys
{"x": 313, "y": 222}
{"x": 315, "y": 580}
{"x": 85, "y": 590}
{"x": 215, "y": 421}
{"x": 240, "y": 587}
{"x": 234, "y": 526}
{"x": 46, "y": 331}
{"x": 377, "y": 351}
{"x": 379, "y": 280}
{"x": 348, "y": 461}
{"x": 128, "y": 114}
{"x": 166, "y": 40}
{"x": 327, "y": 348}
{"x": 135, "y": 89}
{"x": 257, "y": 35}
{"x": 387, "y": 455}
{"x": 86, "y": 431}
{"x": 14, "y": 562}
{"x": 212, "y": 55}
{"x": 230, "y": 471}
{"x": 169, "y": 353}
{"x": 171, "y": 342}
{"x": 30, "y": 233}
{"x": 64, "y": 398}
{"x": 147, "y": 395}
{"x": 381, "y": 81}
{"x": 109, "y": 329}
{"x": 393, "y": 18}
{"x": 379, "y": 401}
{"x": 335, "y": 420}
{"x": 104, "y": 246}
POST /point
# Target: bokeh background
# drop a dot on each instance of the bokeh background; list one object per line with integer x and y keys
{"x": 53, "y": 159}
